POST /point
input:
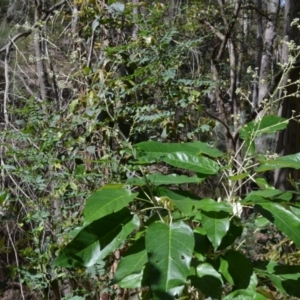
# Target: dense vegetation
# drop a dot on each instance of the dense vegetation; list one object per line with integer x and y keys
{"x": 149, "y": 150}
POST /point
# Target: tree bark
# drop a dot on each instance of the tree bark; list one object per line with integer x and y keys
{"x": 288, "y": 141}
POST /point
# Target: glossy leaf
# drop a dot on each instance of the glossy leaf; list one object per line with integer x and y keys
{"x": 160, "y": 179}
{"x": 271, "y": 194}
{"x": 202, "y": 243}
{"x": 106, "y": 201}
{"x": 239, "y": 176}
{"x": 183, "y": 203}
{"x": 245, "y": 294}
{"x": 170, "y": 249}
{"x": 232, "y": 234}
{"x": 288, "y": 161}
{"x": 263, "y": 184}
{"x": 210, "y": 281}
{"x": 98, "y": 239}
{"x": 283, "y": 218}
{"x": 156, "y": 149}
{"x": 129, "y": 272}
{"x": 267, "y": 124}
{"x": 236, "y": 268}
{"x": 191, "y": 162}
{"x": 216, "y": 225}
{"x": 212, "y": 205}
{"x": 285, "y": 278}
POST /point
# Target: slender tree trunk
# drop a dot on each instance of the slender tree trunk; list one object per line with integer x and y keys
{"x": 268, "y": 51}
{"x": 259, "y": 49}
{"x": 39, "y": 54}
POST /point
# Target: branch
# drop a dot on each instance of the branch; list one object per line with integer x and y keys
{"x": 46, "y": 14}
{"x": 229, "y": 31}
{"x": 233, "y": 139}
{"x": 14, "y": 39}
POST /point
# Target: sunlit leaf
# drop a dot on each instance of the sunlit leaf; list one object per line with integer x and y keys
{"x": 106, "y": 201}
{"x": 190, "y": 162}
{"x": 283, "y": 218}
{"x": 98, "y": 239}
{"x": 170, "y": 249}
{"x": 216, "y": 225}
{"x": 129, "y": 272}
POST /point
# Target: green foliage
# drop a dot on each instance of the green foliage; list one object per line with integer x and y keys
{"x": 164, "y": 215}
{"x": 182, "y": 240}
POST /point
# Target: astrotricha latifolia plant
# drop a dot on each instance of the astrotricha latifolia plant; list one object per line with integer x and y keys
{"x": 175, "y": 244}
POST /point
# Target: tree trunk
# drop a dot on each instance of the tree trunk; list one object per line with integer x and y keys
{"x": 288, "y": 141}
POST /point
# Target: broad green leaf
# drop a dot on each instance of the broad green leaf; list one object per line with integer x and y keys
{"x": 106, "y": 201}
{"x": 285, "y": 278}
{"x": 129, "y": 272}
{"x": 191, "y": 162}
{"x": 245, "y": 295}
{"x": 212, "y": 205}
{"x": 202, "y": 243}
{"x": 288, "y": 161}
{"x": 239, "y": 176}
{"x": 216, "y": 225}
{"x": 204, "y": 148}
{"x": 208, "y": 281}
{"x": 208, "y": 269}
{"x": 267, "y": 124}
{"x": 295, "y": 210}
{"x": 160, "y": 179}
{"x": 283, "y": 218}
{"x": 236, "y": 268}
{"x": 183, "y": 203}
{"x": 232, "y": 234}
{"x": 272, "y": 194}
{"x": 261, "y": 222}
{"x": 98, "y": 239}
{"x": 169, "y": 249}
{"x": 263, "y": 184}
{"x": 157, "y": 149}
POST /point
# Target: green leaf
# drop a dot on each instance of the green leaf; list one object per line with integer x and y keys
{"x": 191, "y": 162}
{"x": 267, "y": 124}
{"x": 216, "y": 225}
{"x": 202, "y": 243}
{"x": 170, "y": 249}
{"x": 212, "y": 205}
{"x": 261, "y": 222}
{"x": 183, "y": 203}
{"x": 283, "y": 218}
{"x": 208, "y": 281}
{"x": 160, "y": 179}
{"x": 236, "y": 269}
{"x": 98, "y": 239}
{"x": 232, "y": 234}
{"x": 257, "y": 197}
{"x": 245, "y": 295}
{"x": 239, "y": 176}
{"x": 285, "y": 278}
{"x": 106, "y": 201}
{"x": 129, "y": 272}
{"x": 3, "y": 196}
{"x": 263, "y": 184}
{"x": 159, "y": 149}
{"x": 289, "y": 161}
